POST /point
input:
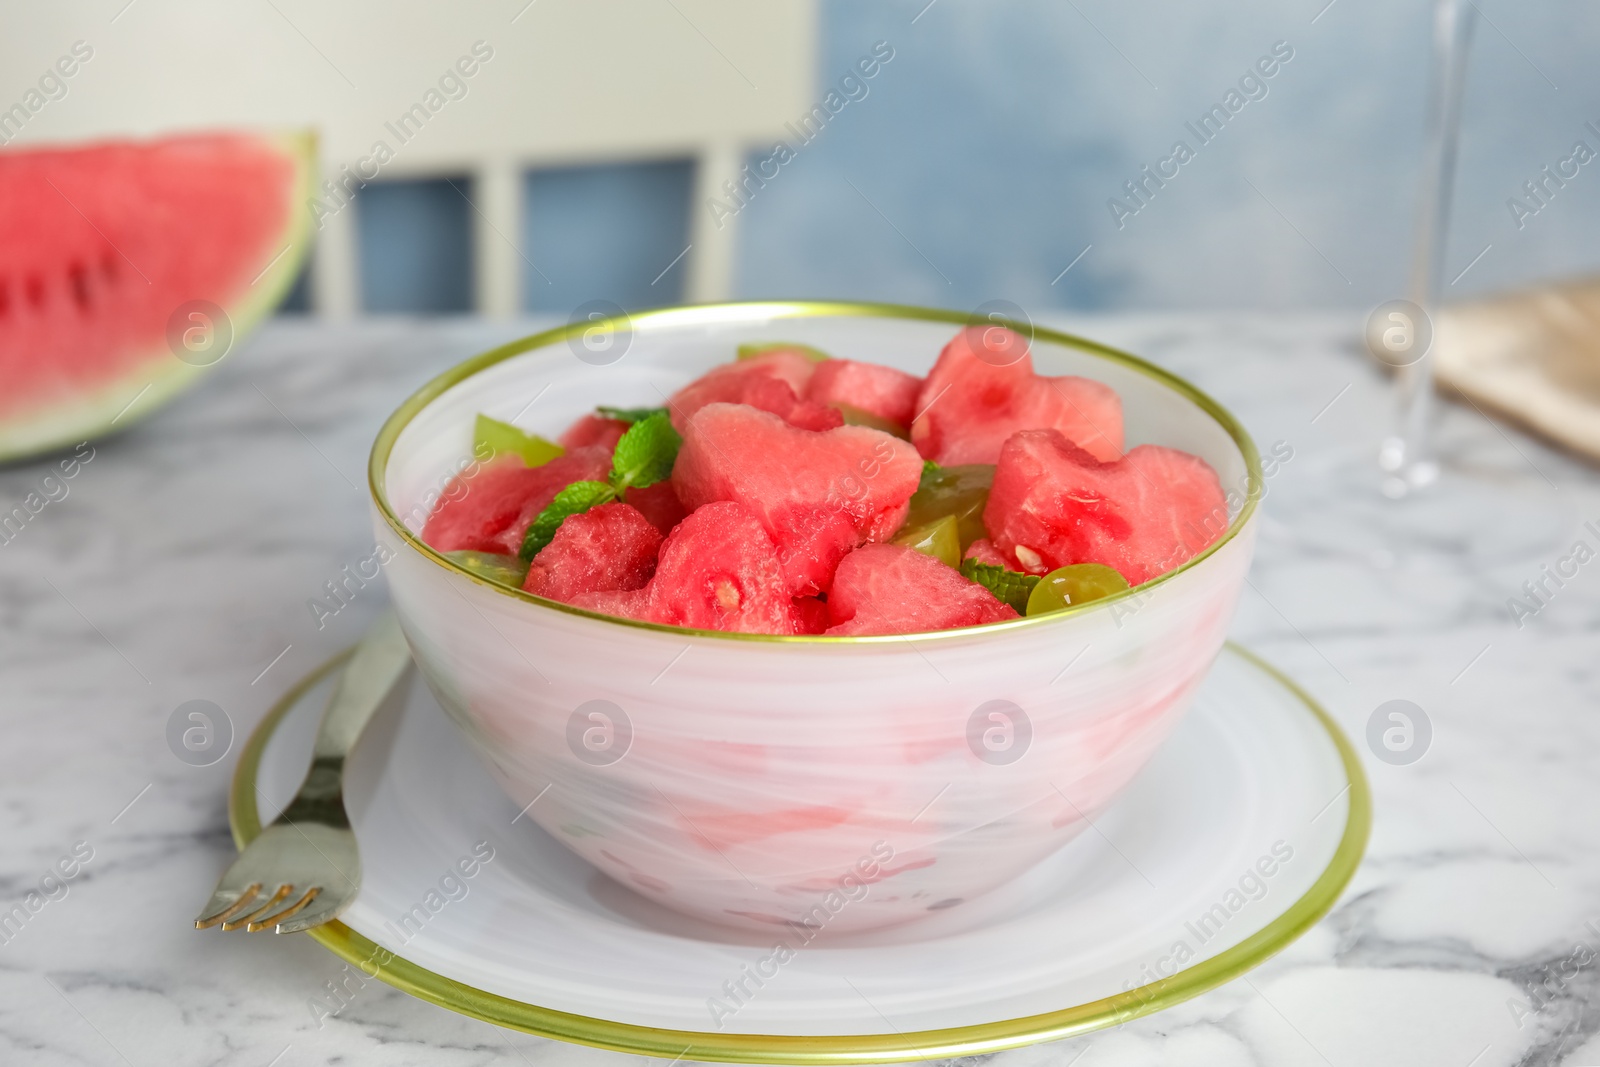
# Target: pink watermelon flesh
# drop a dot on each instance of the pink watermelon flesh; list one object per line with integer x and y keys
{"x": 592, "y": 430}
{"x": 1053, "y": 504}
{"x": 983, "y": 551}
{"x": 659, "y": 503}
{"x": 878, "y": 390}
{"x": 811, "y": 615}
{"x": 818, "y": 495}
{"x": 717, "y": 571}
{"x": 891, "y": 589}
{"x": 490, "y": 511}
{"x": 983, "y": 389}
{"x": 606, "y": 548}
{"x": 773, "y": 382}
{"x": 101, "y": 245}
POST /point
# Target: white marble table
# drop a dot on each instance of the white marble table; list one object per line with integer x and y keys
{"x": 179, "y": 565}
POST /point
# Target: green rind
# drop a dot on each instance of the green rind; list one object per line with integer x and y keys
{"x": 90, "y": 417}
{"x": 679, "y": 1045}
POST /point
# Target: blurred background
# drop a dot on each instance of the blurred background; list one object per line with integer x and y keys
{"x": 980, "y": 160}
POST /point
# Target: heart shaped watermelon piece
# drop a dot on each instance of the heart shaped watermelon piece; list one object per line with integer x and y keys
{"x": 717, "y": 571}
{"x": 488, "y": 510}
{"x": 983, "y": 389}
{"x": 592, "y": 430}
{"x": 879, "y": 391}
{"x": 817, "y": 495}
{"x": 890, "y": 589}
{"x": 1054, "y": 504}
{"x": 603, "y": 549}
{"x": 774, "y": 381}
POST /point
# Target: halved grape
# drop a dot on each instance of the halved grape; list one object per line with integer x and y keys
{"x": 502, "y": 438}
{"x": 506, "y": 570}
{"x": 940, "y": 539}
{"x": 815, "y": 355}
{"x": 854, "y": 416}
{"x": 961, "y": 492}
{"x": 1074, "y": 584}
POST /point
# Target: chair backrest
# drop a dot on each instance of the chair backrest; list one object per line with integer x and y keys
{"x": 472, "y": 87}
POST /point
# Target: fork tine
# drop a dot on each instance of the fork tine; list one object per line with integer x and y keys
{"x": 272, "y": 902}
{"x": 306, "y": 920}
{"x": 228, "y": 909}
{"x": 257, "y": 925}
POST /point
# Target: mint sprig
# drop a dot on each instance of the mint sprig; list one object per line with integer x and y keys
{"x": 1008, "y": 586}
{"x": 645, "y": 454}
{"x": 629, "y": 415}
{"x": 643, "y": 457}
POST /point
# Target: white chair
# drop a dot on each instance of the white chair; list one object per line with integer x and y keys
{"x": 553, "y": 82}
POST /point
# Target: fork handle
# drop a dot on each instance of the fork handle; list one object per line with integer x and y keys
{"x": 372, "y": 672}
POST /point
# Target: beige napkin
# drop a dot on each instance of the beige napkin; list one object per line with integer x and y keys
{"x": 1533, "y": 356}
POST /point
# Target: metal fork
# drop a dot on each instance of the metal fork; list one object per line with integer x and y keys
{"x": 308, "y": 856}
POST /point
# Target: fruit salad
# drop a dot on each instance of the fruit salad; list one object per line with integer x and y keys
{"x": 787, "y": 492}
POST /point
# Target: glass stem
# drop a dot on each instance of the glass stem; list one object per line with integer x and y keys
{"x": 1405, "y": 455}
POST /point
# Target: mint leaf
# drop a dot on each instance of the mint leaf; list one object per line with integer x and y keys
{"x": 504, "y": 439}
{"x": 573, "y": 500}
{"x": 629, "y": 415}
{"x": 645, "y": 454}
{"x": 1008, "y": 587}
{"x": 930, "y": 467}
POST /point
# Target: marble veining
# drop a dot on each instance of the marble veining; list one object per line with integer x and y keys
{"x": 180, "y": 564}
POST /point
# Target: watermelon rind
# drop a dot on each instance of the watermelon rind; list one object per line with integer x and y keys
{"x": 118, "y": 402}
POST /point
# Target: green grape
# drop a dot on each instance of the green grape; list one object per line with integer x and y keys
{"x": 959, "y": 491}
{"x": 854, "y": 416}
{"x": 815, "y": 355}
{"x": 506, "y": 570}
{"x": 939, "y": 539}
{"x": 502, "y": 438}
{"x": 1077, "y": 583}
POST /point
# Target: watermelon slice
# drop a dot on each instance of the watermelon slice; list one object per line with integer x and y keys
{"x": 879, "y": 391}
{"x": 717, "y": 571}
{"x": 593, "y": 430}
{"x": 890, "y": 589}
{"x": 1053, "y": 504}
{"x": 101, "y": 249}
{"x": 983, "y": 551}
{"x": 491, "y": 509}
{"x": 818, "y": 495}
{"x": 606, "y": 548}
{"x": 773, "y": 381}
{"x": 983, "y": 389}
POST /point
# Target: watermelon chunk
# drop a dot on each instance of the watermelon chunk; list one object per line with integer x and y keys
{"x": 592, "y": 430}
{"x": 606, "y": 548}
{"x": 882, "y": 392}
{"x": 818, "y": 495}
{"x": 1053, "y": 504}
{"x": 490, "y": 510}
{"x": 659, "y": 503}
{"x": 983, "y": 389}
{"x": 983, "y": 551}
{"x": 105, "y": 253}
{"x": 774, "y": 381}
{"x": 890, "y": 589}
{"x": 717, "y": 571}
{"x": 811, "y": 615}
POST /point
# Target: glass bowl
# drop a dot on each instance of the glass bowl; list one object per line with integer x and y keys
{"x": 825, "y": 784}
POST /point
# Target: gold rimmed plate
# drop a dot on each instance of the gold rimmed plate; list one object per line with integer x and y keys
{"x": 1236, "y": 838}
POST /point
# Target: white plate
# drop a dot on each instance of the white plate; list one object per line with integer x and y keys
{"x": 1237, "y": 837}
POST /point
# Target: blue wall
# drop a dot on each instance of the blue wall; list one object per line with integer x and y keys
{"x": 980, "y": 162}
